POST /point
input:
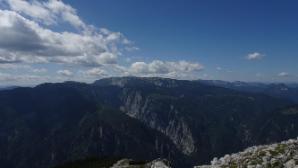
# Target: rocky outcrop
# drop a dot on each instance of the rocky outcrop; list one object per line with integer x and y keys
{"x": 284, "y": 154}
{"x": 129, "y": 163}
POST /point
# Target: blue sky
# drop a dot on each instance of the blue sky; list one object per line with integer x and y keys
{"x": 247, "y": 40}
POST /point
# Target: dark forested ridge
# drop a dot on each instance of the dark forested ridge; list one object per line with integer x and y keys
{"x": 187, "y": 122}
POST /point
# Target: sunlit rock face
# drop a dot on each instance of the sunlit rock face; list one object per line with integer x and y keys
{"x": 144, "y": 109}
{"x": 284, "y": 154}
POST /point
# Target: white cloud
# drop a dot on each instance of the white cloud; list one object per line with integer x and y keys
{"x": 65, "y": 72}
{"x": 34, "y": 9}
{"x": 25, "y": 40}
{"x": 29, "y": 35}
{"x": 47, "y": 12}
{"x": 107, "y": 58}
{"x": 139, "y": 67}
{"x": 283, "y": 74}
{"x": 164, "y": 68}
{"x": 254, "y": 56}
{"x": 97, "y": 72}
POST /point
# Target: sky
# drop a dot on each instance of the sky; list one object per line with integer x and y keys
{"x": 79, "y": 40}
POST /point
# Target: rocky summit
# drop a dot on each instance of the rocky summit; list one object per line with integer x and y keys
{"x": 284, "y": 154}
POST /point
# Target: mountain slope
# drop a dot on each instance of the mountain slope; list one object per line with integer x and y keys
{"x": 282, "y": 123}
{"x": 54, "y": 123}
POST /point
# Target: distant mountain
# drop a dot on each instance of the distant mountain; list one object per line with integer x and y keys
{"x": 8, "y": 87}
{"x": 284, "y": 154}
{"x": 279, "y": 90}
{"x": 186, "y": 122}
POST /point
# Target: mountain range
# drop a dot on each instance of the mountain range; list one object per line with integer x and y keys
{"x": 186, "y": 122}
{"x": 281, "y": 90}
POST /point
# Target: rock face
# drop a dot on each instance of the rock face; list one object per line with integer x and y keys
{"x": 147, "y": 110}
{"x": 284, "y": 154}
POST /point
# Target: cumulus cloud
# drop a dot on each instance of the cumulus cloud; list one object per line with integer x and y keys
{"x": 47, "y": 12}
{"x": 254, "y": 56}
{"x": 107, "y": 58}
{"x": 97, "y": 72}
{"x": 157, "y": 68}
{"x": 26, "y": 40}
{"x": 65, "y": 72}
{"x": 283, "y": 74}
{"x": 31, "y": 33}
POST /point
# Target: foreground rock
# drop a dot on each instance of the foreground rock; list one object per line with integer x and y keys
{"x": 128, "y": 163}
{"x": 284, "y": 154}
